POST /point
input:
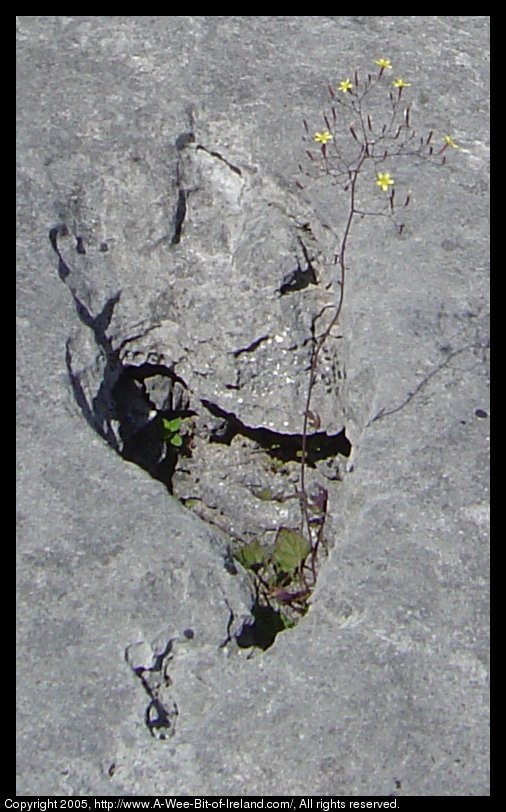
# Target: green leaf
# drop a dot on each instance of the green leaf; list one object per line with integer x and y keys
{"x": 176, "y": 440}
{"x": 250, "y": 555}
{"x": 290, "y": 549}
{"x": 171, "y": 426}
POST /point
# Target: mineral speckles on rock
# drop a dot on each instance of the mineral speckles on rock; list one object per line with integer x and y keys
{"x": 209, "y": 304}
{"x": 204, "y": 325}
{"x": 239, "y": 239}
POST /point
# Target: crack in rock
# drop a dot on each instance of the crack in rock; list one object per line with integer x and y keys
{"x": 179, "y": 216}
{"x": 201, "y": 334}
{"x": 153, "y": 671}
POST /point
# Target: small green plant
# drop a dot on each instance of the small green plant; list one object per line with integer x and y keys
{"x": 359, "y": 140}
{"x": 367, "y": 131}
{"x": 279, "y": 573}
{"x": 171, "y": 431}
{"x": 284, "y": 574}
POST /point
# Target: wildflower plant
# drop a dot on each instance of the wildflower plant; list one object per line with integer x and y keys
{"x": 359, "y": 142}
{"x": 171, "y": 431}
{"x": 366, "y": 132}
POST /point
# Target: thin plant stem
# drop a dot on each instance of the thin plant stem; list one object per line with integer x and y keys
{"x": 341, "y": 262}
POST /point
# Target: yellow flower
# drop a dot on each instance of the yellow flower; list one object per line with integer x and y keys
{"x": 383, "y": 180}
{"x": 383, "y": 63}
{"x": 450, "y": 142}
{"x": 345, "y": 85}
{"x": 322, "y": 138}
{"x": 401, "y": 83}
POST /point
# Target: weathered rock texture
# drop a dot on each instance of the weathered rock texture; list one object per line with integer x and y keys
{"x": 182, "y": 275}
{"x": 218, "y": 328}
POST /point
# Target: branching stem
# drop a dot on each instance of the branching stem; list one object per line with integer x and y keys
{"x": 341, "y": 262}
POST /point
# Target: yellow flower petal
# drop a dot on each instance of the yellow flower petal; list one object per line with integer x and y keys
{"x": 450, "y": 142}
{"x": 383, "y": 180}
{"x": 345, "y": 85}
{"x": 401, "y": 83}
{"x": 323, "y": 137}
{"x": 383, "y": 63}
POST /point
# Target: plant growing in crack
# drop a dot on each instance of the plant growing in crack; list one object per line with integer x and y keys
{"x": 356, "y": 152}
{"x": 171, "y": 431}
{"x": 278, "y": 574}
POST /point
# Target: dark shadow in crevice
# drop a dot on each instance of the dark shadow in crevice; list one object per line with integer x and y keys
{"x": 298, "y": 279}
{"x": 251, "y": 347}
{"x": 160, "y": 719}
{"x": 220, "y": 158}
{"x": 122, "y": 396}
{"x": 99, "y": 413}
{"x": 179, "y": 217}
{"x": 267, "y": 623}
{"x": 285, "y": 447}
{"x": 140, "y": 419}
{"x": 149, "y": 370}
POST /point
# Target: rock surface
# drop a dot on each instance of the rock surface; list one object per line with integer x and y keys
{"x": 183, "y": 276}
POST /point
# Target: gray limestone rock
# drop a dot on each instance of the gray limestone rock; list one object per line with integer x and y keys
{"x": 181, "y": 278}
{"x": 219, "y": 328}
